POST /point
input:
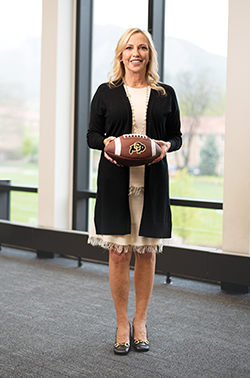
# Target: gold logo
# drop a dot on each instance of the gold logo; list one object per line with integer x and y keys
{"x": 137, "y": 147}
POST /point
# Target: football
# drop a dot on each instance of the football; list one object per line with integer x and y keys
{"x": 133, "y": 150}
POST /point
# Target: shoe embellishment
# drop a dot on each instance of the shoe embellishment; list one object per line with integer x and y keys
{"x": 122, "y": 344}
{"x": 141, "y": 341}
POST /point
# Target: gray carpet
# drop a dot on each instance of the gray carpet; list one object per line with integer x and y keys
{"x": 58, "y": 320}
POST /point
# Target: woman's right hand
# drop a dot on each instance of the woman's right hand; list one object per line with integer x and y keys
{"x": 106, "y": 142}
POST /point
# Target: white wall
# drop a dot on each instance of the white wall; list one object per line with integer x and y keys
{"x": 56, "y": 114}
{"x": 236, "y": 218}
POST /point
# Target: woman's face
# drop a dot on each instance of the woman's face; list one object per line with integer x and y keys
{"x": 135, "y": 55}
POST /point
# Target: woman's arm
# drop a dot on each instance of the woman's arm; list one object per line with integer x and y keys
{"x": 174, "y": 135}
{"x": 96, "y": 131}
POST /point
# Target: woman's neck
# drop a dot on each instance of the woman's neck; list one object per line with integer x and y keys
{"x": 135, "y": 81}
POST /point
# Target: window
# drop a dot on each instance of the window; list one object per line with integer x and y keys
{"x": 111, "y": 19}
{"x": 20, "y": 56}
{"x": 195, "y": 65}
{"x": 108, "y": 27}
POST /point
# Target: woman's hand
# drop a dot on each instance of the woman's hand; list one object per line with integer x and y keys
{"x": 106, "y": 142}
{"x": 165, "y": 146}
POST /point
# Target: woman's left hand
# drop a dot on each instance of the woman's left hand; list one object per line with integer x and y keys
{"x": 165, "y": 146}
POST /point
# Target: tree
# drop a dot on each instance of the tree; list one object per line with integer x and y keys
{"x": 30, "y": 145}
{"x": 195, "y": 95}
{"x": 209, "y": 156}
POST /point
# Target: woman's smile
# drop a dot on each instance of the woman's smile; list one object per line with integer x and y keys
{"x": 136, "y": 62}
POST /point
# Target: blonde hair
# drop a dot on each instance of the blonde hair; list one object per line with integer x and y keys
{"x": 118, "y": 71}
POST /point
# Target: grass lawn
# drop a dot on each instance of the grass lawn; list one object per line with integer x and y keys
{"x": 23, "y": 206}
{"x": 209, "y": 187}
{"x": 197, "y": 226}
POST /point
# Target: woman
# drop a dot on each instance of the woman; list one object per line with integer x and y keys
{"x": 132, "y": 210}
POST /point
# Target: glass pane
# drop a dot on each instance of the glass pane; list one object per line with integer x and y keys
{"x": 20, "y": 60}
{"x": 24, "y": 207}
{"x": 201, "y": 227}
{"x": 111, "y": 19}
{"x": 195, "y": 65}
{"x": 108, "y": 27}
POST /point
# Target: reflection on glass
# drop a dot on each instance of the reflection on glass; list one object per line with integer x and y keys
{"x": 20, "y": 60}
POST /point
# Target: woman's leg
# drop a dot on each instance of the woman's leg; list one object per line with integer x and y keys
{"x": 143, "y": 280}
{"x": 119, "y": 279}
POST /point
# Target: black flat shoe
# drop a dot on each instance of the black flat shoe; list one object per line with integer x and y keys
{"x": 122, "y": 348}
{"x": 141, "y": 345}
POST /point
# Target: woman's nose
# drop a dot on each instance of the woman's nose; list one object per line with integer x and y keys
{"x": 136, "y": 51}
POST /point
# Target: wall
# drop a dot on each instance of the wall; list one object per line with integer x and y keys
{"x": 236, "y": 219}
{"x": 56, "y": 122}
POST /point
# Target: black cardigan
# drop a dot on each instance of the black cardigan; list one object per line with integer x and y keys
{"x": 111, "y": 115}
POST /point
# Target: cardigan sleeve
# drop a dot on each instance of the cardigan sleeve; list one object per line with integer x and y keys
{"x": 174, "y": 135}
{"x": 96, "y": 131}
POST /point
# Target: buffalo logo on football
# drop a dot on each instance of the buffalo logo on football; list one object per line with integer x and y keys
{"x": 137, "y": 147}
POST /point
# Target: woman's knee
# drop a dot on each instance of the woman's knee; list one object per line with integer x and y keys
{"x": 120, "y": 257}
{"x": 148, "y": 257}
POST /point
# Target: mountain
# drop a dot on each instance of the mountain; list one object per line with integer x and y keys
{"x": 105, "y": 38}
{"x": 183, "y": 56}
{"x": 180, "y": 56}
{"x": 20, "y": 68}
{"x": 20, "y": 73}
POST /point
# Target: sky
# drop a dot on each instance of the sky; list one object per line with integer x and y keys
{"x": 19, "y": 19}
{"x": 202, "y": 22}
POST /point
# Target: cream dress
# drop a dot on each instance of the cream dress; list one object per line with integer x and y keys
{"x": 123, "y": 243}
